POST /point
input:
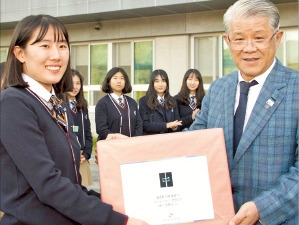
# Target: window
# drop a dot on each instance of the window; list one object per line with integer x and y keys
{"x": 122, "y": 56}
{"x": 143, "y": 67}
{"x": 291, "y": 43}
{"x": 98, "y": 63}
{"x": 287, "y": 52}
{"x": 143, "y": 61}
{"x": 206, "y": 57}
{"x": 79, "y": 60}
{"x": 94, "y": 60}
{"x": 3, "y": 54}
{"x": 228, "y": 63}
{"x": 210, "y": 50}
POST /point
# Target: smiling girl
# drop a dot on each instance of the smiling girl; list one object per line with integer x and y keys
{"x": 39, "y": 153}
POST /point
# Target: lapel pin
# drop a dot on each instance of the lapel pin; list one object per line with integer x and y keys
{"x": 269, "y": 103}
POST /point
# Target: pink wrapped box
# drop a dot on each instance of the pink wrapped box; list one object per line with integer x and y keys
{"x": 117, "y": 157}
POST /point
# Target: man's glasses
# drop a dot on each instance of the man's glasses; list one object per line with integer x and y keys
{"x": 259, "y": 43}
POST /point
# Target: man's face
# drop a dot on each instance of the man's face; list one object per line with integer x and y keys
{"x": 253, "y": 44}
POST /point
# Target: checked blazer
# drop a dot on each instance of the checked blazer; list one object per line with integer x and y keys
{"x": 265, "y": 167}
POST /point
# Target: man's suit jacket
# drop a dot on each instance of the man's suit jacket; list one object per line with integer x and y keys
{"x": 154, "y": 121}
{"x": 265, "y": 167}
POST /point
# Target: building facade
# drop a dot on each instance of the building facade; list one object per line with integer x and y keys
{"x": 144, "y": 35}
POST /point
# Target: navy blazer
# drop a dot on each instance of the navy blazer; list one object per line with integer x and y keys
{"x": 39, "y": 168}
{"x": 108, "y": 119}
{"x": 265, "y": 166}
{"x": 81, "y": 119}
{"x": 154, "y": 121}
{"x": 185, "y": 112}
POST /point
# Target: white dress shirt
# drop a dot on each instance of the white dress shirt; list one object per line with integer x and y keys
{"x": 253, "y": 93}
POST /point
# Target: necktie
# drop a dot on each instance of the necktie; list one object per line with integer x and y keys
{"x": 161, "y": 101}
{"x": 74, "y": 105}
{"x": 240, "y": 112}
{"x": 120, "y": 102}
{"x": 58, "y": 111}
{"x": 192, "y": 103}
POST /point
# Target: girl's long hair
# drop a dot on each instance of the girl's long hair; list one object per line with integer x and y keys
{"x": 151, "y": 94}
{"x": 183, "y": 95}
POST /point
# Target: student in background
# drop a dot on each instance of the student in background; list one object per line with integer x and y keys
{"x": 117, "y": 113}
{"x": 39, "y": 155}
{"x": 81, "y": 125}
{"x": 190, "y": 96}
{"x": 158, "y": 108}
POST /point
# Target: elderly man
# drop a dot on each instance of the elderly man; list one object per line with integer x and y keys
{"x": 257, "y": 107}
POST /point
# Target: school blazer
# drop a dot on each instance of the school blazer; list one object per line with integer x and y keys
{"x": 38, "y": 177}
{"x": 108, "y": 119}
{"x": 85, "y": 137}
{"x": 265, "y": 167}
{"x": 185, "y": 112}
{"x": 154, "y": 121}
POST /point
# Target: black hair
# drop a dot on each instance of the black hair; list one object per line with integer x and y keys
{"x": 23, "y": 31}
{"x": 183, "y": 95}
{"x": 151, "y": 94}
{"x": 106, "y": 86}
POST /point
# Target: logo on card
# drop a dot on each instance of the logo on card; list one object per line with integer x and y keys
{"x": 166, "y": 179}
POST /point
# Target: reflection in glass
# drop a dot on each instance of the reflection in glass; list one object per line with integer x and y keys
{"x": 143, "y": 61}
{"x": 98, "y": 63}
{"x": 228, "y": 64}
{"x": 138, "y": 95}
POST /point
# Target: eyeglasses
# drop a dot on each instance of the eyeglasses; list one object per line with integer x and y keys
{"x": 259, "y": 42}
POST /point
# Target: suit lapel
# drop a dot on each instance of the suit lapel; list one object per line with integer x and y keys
{"x": 271, "y": 95}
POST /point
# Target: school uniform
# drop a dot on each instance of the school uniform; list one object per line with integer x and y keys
{"x": 154, "y": 121}
{"x": 110, "y": 117}
{"x": 40, "y": 182}
{"x": 81, "y": 128}
{"x": 185, "y": 112}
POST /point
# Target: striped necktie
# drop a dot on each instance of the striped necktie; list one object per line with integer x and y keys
{"x": 58, "y": 112}
{"x": 120, "y": 102}
{"x": 73, "y": 105}
{"x": 192, "y": 103}
{"x": 161, "y": 101}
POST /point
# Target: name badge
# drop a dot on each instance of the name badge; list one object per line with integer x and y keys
{"x": 75, "y": 128}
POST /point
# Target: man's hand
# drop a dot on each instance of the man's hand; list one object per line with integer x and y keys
{"x": 247, "y": 215}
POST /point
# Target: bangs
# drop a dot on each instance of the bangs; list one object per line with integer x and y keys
{"x": 60, "y": 33}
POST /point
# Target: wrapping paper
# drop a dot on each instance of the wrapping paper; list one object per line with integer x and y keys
{"x": 209, "y": 142}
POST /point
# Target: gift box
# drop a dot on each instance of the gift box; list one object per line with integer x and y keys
{"x": 174, "y": 178}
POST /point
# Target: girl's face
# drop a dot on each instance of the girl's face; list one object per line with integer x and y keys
{"x": 117, "y": 83}
{"x": 76, "y": 88}
{"x": 160, "y": 85}
{"x": 192, "y": 83}
{"x": 44, "y": 61}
